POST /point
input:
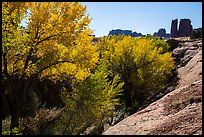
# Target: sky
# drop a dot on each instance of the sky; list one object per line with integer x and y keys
{"x": 142, "y": 17}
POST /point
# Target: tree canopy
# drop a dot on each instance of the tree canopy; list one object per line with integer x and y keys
{"x": 56, "y": 47}
{"x": 55, "y": 44}
{"x": 144, "y": 64}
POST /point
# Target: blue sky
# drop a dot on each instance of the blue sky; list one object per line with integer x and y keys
{"x": 143, "y": 17}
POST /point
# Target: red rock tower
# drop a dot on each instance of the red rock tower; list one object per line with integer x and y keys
{"x": 174, "y": 32}
{"x": 185, "y": 28}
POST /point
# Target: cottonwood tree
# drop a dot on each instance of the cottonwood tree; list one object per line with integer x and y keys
{"x": 55, "y": 44}
{"x": 143, "y": 64}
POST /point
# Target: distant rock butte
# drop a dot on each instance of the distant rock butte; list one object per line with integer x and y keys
{"x": 185, "y": 28}
{"x": 125, "y": 32}
{"x": 161, "y": 33}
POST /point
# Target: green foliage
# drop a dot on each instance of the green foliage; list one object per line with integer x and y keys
{"x": 197, "y": 33}
{"x": 14, "y": 131}
{"x": 143, "y": 64}
{"x": 91, "y": 101}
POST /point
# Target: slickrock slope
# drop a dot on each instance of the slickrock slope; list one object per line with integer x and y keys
{"x": 190, "y": 67}
{"x": 178, "y": 112}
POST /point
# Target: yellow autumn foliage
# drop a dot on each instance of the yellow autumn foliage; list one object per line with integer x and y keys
{"x": 143, "y": 63}
{"x": 56, "y": 42}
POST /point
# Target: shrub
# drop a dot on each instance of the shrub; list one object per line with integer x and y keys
{"x": 197, "y": 33}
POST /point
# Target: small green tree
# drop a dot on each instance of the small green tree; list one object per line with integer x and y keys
{"x": 91, "y": 101}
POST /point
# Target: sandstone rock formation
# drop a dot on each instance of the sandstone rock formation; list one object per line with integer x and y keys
{"x": 189, "y": 67}
{"x": 161, "y": 33}
{"x": 174, "y": 32}
{"x": 180, "y": 111}
{"x": 125, "y": 32}
{"x": 185, "y": 28}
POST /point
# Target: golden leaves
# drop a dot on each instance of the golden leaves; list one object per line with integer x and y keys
{"x": 144, "y": 62}
{"x": 56, "y": 32}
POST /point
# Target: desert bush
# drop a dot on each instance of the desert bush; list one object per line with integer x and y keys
{"x": 197, "y": 33}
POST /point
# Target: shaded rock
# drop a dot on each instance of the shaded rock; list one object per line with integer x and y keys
{"x": 178, "y": 53}
{"x": 174, "y": 24}
{"x": 188, "y": 55}
{"x": 185, "y": 28}
{"x": 185, "y": 52}
{"x": 173, "y": 44}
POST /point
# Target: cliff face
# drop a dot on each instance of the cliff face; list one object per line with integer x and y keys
{"x": 174, "y": 24}
{"x": 178, "y": 112}
{"x": 185, "y": 28}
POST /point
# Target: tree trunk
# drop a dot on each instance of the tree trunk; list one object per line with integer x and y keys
{"x": 127, "y": 97}
{"x": 15, "y": 110}
{"x": 15, "y": 119}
